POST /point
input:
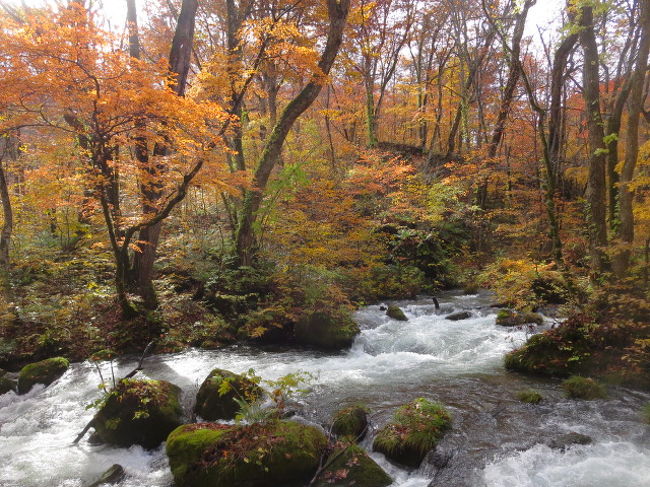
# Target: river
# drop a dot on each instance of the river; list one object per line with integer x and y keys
{"x": 496, "y": 441}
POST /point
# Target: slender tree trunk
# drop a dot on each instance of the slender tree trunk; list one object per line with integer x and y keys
{"x": 636, "y": 108}
{"x": 596, "y": 186}
{"x": 8, "y": 217}
{"x": 338, "y": 11}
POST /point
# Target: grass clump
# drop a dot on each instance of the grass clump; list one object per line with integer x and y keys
{"x": 530, "y": 396}
{"x": 578, "y": 387}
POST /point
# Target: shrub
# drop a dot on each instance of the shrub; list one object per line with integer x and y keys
{"x": 577, "y": 387}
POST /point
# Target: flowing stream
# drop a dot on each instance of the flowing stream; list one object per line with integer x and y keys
{"x": 495, "y": 441}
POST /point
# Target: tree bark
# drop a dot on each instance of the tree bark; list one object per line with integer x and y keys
{"x": 596, "y": 187}
{"x": 636, "y": 108}
{"x": 338, "y": 11}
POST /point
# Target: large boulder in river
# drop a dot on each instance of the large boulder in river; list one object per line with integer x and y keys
{"x": 396, "y": 313}
{"x": 507, "y": 317}
{"x": 351, "y": 422}
{"x": 43, "y": 372}
{"x": 138, "y": 412}
{"x": 216, "y": 397}
{"x": 350, "y": 466}
{"x": 255, "y": 455}
{"x": 326, "y": 331}
{"x": 416, "y": 428}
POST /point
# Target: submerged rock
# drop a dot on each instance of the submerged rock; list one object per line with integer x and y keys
{"x": 139, "y": 412}
{"x": 565, "y": 441}
{"x": 216, "y": 397}
{"x": 507, "y": 317}
{"x": 396, "y": 313}
{"x": 257, "y": 455}
{"x": 351, "y": 421}
{"x": 112, "y": 476}
{"x": 460, "y": 315}
{"x": 350, "y": 466}
{"x": 416, "y": 428}
{"x": 325, "y": 331}
{"x": 43, "y": 372}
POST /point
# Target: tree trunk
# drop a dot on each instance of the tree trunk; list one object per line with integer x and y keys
{"x": 636, "y": 108}
{"x": 338, "y": 11}
{"x": 596, "y": 187}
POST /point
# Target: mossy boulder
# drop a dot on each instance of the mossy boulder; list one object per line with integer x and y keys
{"x": 577, "y": 387}
{"x": 416, "y": 428}
{"x": 216, "y": 397}
{"x": 350, "y": 466}
{"x": 351, "y": 421}
{"x": 506, "y": 317}
{"x": 396, "y": 313}
{"x": 256, "y": 455}
{"x": 43, "y": 372}
{"x": 138, "y": 412}
{"x": 645, "y": 413}
{"x": 6, "y": 385}
{"x": 529, "y": 396}
{"x": 326, "y": 331}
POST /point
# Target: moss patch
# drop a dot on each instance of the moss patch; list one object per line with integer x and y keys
{"x": 141, "y": 412}
{"x": 350, "y": 466}
{"x": 416, "y": 428}
{"x": 6, "y": 385}
{"x": 43, "y": 372}
{"x": 351, "y": 421}
{"x": 507, "y": 317}
{"x": 396, "y": 313}
{"x": 256, "y": 455}
{"x": 530, "y": 396}
{"x": 577, "y": 387}
{"x": 325, "y": 331}
{"x": 216, "y": 397}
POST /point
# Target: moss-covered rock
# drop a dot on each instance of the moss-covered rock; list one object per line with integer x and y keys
{"x": 416, "y": 428}
{"x": 530, "y": 396}
{"x": 645, "y": 413}
{"x": 350, "y": 466}
{"x": 43, "y": 372}
{"x": 506, "y": 317}
{"x": 577, "y": 387}
{"x": 351, "y": 421}
{"x": 6, "y": 385}
{"x": 216, "y": 397}
{"x": 138, "y": 412}
{"x": 396, "y": 313}
{"x": 326, "y": 331}
{"x": 257, "y": 455}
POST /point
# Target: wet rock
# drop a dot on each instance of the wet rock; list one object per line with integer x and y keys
{"x": 43, "y": 372}
{"x": 350, "y": 466}
{"x": 270, "y": 454}
{"x": 416, "y": 428}
{"x": 565, "y": 441}
{"x": 460, "y": 315}
{"x": 383, "y": 308}
{"x": 396, "y": 313}
{"x": 212, "y": 403}
{"x": 139, "y": 412}
{"x": 440, "y": 457}
{"x": 507, "y": 317}
{"x": 6, "y": 385}
{"x": 112, "y": 476}
{"x": 351, "y": 421}
{"x": 325, "y": 331}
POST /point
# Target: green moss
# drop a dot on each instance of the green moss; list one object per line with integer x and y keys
{"x": 216, "y": 397}
{"x": 530, "y": 396}
{"x": 396, "y": 313}
{"x": 577, "y": 387}
{"x": 350, "y": 466}
{"x": 325, "y": 331}
{"x": 510, "y": 318}
{"x": 43, "y": 372}
{"x": 256, "y": 455}
{"x": 141, "y": 412}
{"x": 351, "y": 421}
{"x": 416, "y": 428}
{"x": 6, "y": 385}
